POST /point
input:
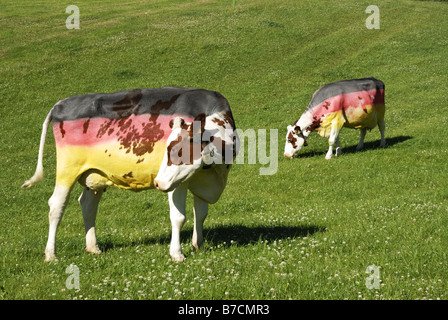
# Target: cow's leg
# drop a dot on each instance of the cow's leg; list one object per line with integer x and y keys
{"x": 361, "y": 139}
{"x": 200, "y": 213}
{"x": 57, "y": 203}
{"x": 89, "y": 201}
{"x": 338, "y": 148}
{"x": 177, "y": 199}
{"x": 332, "y": 139}
{"x": 382, "y": 127}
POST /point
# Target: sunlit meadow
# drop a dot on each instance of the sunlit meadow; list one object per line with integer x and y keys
{"x": 309, "y": 231}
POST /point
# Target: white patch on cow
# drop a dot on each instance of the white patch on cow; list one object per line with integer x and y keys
{"x": 39, "y": 173}
{"x": 57, "y": 203}
{"x": 200, "y": 213}
{"x": 296, "y": 140}
{"x": 89, "y": 201}
{"x": 334, "y": 138}
{"x": 177, "y": 199}
{"x": 289, "y": 148}
{"x": 178, "y": 165}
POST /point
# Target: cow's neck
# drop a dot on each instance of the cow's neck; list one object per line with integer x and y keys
{"x": 304, "y": 123}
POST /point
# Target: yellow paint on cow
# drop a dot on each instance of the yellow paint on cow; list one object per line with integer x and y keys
{"x": 108, "y": 164}
{"x": 353, "y": 117}
{"x": 327, "y": 122}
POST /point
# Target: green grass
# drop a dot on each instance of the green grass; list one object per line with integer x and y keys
{"x": 307, "y": 232}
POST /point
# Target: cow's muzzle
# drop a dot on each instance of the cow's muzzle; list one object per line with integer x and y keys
{"x": 158, "y": 186}
{"x": 163, "y": 187}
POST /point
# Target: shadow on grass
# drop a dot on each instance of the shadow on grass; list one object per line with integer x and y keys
{"x": 224, "y": 235}
{"x": 243, "y": 235}
{"x": 371, "y": 145}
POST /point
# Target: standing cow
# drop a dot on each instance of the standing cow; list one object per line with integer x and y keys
{"x": 174, "y": 139}
{"x": 357, "y": 104}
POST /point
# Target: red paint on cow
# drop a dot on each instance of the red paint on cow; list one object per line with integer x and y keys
{"x": 343, "y": 101}
{"x": 105, "y": 127}
{"x": 138, "y": 139}
{"x": 101, "y": 130}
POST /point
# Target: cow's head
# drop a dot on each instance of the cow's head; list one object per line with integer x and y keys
{"x": 185, "y": 153}
{"x": 295, "y": 140}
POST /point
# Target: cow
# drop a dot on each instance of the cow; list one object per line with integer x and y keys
{"x": 356, "y": 104}
{"x": 174, "y": 139}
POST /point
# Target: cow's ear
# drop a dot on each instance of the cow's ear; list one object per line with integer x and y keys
{"x": 199, "y": 123}
{"x": 177, "y": 122}
{"x": 297, "y": 129}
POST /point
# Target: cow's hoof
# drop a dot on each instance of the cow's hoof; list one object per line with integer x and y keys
{"x": 178, "y": 258}
{"x": 50, "y": 255}
{"x": 338, "y": 152}
{"x": 50, "y": 258}
{"x": 327, "y": 157}
{"x": 359, "y": 148}
{"x": 196, "y": 247}
{"x": 94, "y": 250}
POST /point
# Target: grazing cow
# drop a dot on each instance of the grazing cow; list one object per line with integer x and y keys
{"x": 124, "y": 138}
{"x": 357, "y": 104}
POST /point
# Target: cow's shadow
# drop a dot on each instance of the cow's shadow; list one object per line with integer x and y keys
{"x": 371, "y": 145}
{"x": 223, "y": 235}
{"x": 243, "y": 235}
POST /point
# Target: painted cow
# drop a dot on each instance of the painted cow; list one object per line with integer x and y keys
{"x": 357, "y": 104}
{"x": 174, "y": 139}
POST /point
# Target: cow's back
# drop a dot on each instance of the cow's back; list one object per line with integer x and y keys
{"x": 350, "y": 103}
{"x": 122, "y": 136}
{"x": 163, "y": 101}
{"x": 344, "y": 87}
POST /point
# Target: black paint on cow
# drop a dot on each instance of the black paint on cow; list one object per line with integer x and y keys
{"x": 117, "y": 105}
{"x": 344, "y": 87}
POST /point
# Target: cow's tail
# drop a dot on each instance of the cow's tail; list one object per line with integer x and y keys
{"x": 39, "y": 174}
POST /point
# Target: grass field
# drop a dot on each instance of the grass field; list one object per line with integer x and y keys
{"x": 309, "y": 231}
